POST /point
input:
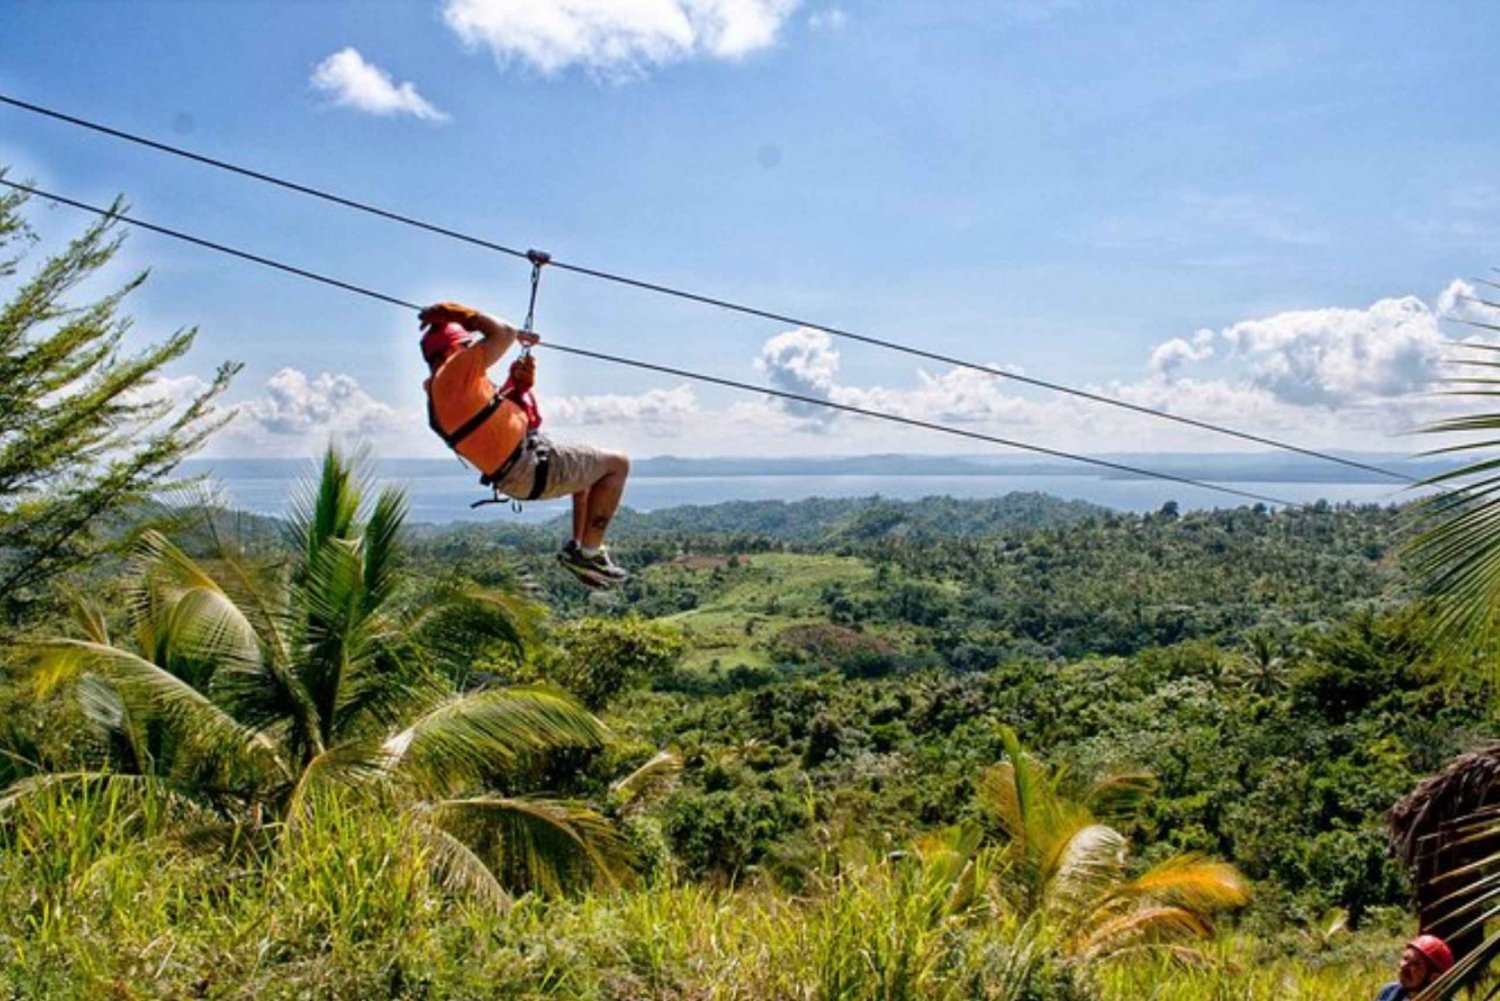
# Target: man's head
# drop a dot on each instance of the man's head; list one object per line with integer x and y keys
{"x": 440, "y": 340}
{"x": 1424, "y": 959}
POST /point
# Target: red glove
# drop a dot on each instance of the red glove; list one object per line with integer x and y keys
{"x": 449, "y": 312}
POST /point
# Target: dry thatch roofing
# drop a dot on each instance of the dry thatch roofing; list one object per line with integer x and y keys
{"x": 1468, "y": 783}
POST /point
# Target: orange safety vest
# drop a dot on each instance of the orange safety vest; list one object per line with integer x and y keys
{"x": 476, "y": 420}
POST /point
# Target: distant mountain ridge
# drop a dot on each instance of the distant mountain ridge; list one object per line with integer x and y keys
{"x": 1224, "y": 467}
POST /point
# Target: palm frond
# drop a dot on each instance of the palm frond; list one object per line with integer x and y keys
{"x": 1083, "y": 866}
{"x": 501, "y": 614}
{"x": 262, "y": 596}
{"x": 1456, "y": 551}
{"x": 184, "y": 614}
{"x": 544, "y": 844}
{"x": 90, "y": 619}
{"x": 102, "y": 706}
{"x": 459, "y": 869}
{"x": 333, "y": 599}
{"x": 352, "y": 763}
{"x": 648, "y": 780}
{"x": 1193, "y": 882}
{"x": 1018, "y": 795}
{"x": 1120, "y": 795}
{"x": 149, "y": 689}
{"x": 326, "y": 508}
{"x": 1141, "y": 926}
{"x": 999, "y": 799}
{"x": 382, "y": 684}
{"x": 382, "y": 546}
{"x": 468, "y": 736}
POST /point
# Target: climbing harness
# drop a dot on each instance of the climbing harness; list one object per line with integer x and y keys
{"x": 518, "y": 389}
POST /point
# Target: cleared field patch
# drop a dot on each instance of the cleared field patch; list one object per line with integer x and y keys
{"x": 750, "y": 604}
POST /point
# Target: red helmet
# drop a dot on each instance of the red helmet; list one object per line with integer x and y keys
{"x": 1438, "y": 955}
{"x": 442, "y": 339}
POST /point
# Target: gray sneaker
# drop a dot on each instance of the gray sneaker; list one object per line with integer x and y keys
{"x": 597, "y": 570}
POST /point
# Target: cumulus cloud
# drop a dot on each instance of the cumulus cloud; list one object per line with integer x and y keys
{"x": 355, "y": 83}
{"x": 326, "y": 405}
{"x": 1167, "y": 358}
{"x": 1342, "y": 357}
{"x": 957, "y": 396}
{"x": 1460, "y": 301}
{"x": 801, "y": 361}
{"x": 1339, "y": 377}
{"x": 618, "y": 38}
{"x": 659, "y": 408}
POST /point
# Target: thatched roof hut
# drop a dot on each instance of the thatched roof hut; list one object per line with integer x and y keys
{"x": 1423, "y": 826}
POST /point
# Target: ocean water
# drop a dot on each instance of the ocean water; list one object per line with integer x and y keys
{"x": 440, "y": 497}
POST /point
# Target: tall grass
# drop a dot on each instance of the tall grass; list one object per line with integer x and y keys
{"x": 102, "y": 896}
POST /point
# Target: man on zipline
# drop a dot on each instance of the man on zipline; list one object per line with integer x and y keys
{"x": 495, "y": 430}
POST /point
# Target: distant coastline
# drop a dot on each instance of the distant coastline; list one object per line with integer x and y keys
{"x": 1211, "y": 466}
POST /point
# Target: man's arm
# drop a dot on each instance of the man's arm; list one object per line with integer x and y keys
{"x": 498, "y": 337}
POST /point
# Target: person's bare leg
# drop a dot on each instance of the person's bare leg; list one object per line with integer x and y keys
{"x": 603, "y": 500}
{"x": 580, "y": 514}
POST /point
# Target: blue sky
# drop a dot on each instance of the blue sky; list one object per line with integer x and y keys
{"x": 1247, "y": 212}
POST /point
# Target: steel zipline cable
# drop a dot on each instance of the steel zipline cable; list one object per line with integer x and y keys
{"x": 635, "y": 363}
{"x": 707, "y": 300}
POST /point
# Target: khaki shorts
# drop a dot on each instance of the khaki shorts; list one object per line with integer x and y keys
{"x": 573, "y": 469}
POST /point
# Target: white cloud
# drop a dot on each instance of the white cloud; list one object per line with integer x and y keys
{"x": 359, "y": 84}
{"x": 801, "y": 361}
{"x": 326, "y": 405}
{"x": 1342, "y": 357}
{"x": 1167, "y": 358}
{"x": 618, "y": 38}
{"x": 1460, "y": 301}
{"x": 957, "y": 396}
{"x": 1324, "y": 377}
{"x": 663, "y": 409}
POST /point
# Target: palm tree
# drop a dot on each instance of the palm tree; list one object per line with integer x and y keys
{"x": 1067, "y": 871}
{"x": 1448, "y": 829}
{"x": 1262, "y": 665}
{"x": 247, "y": 689}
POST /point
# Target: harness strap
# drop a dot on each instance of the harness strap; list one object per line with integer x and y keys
{"x": 500, "y": 472}
{"x": 540, "y": 474}
{"x": 469, "y": 426}
{"x": 543, "y": 467}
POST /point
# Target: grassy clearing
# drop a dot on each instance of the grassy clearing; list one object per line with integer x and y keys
{"x": 745, "y": 606}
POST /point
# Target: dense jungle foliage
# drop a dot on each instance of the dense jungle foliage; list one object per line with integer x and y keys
{"x": 803, "y": 727}
{"x": 1268, "y": 669}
